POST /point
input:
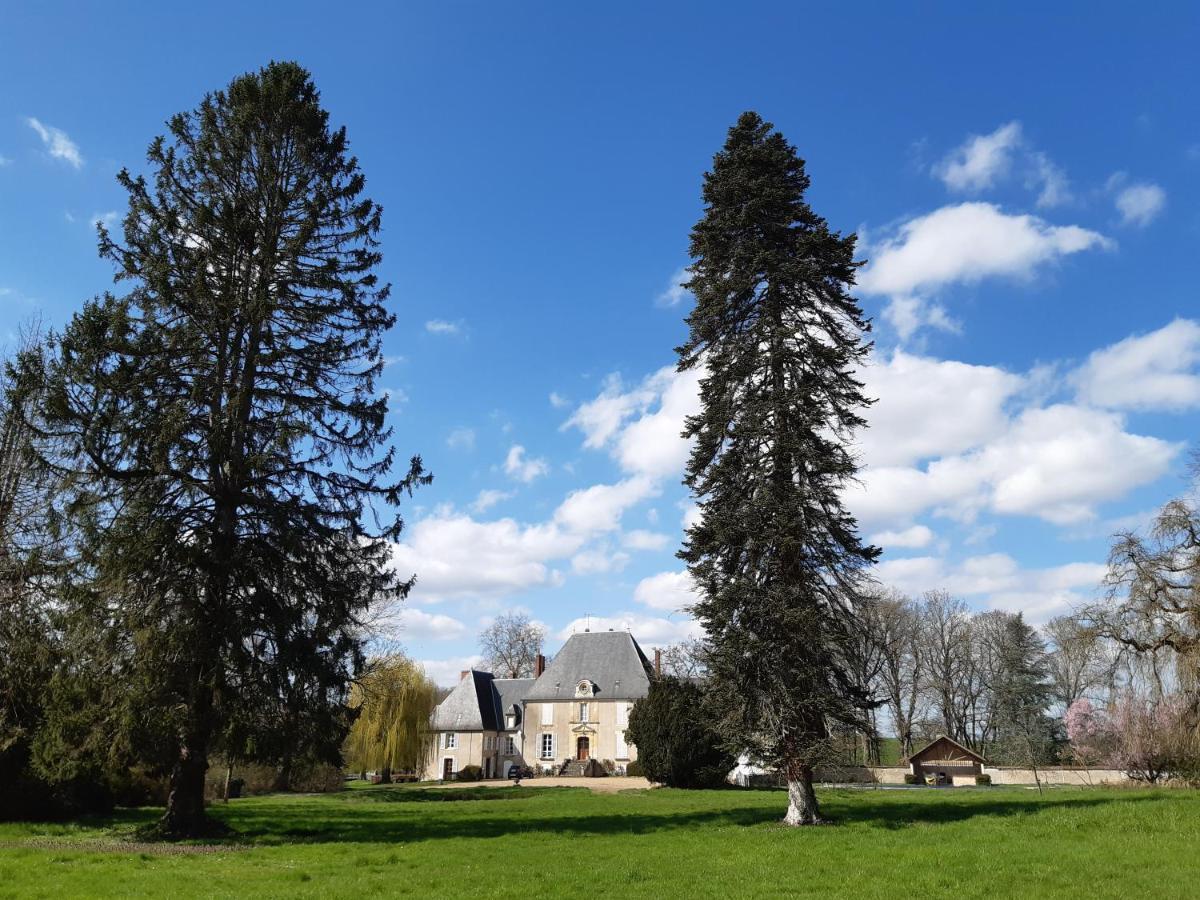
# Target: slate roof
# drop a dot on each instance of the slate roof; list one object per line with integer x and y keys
{"x": 477, "y": 703}
{"x": 611, "y": 660}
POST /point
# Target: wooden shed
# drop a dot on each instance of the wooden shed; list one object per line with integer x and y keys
{"x": 946, "y": 761}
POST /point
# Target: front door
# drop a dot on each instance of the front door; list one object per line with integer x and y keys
{"x": 583, "y": 746}
{"x": 447, "y": 769}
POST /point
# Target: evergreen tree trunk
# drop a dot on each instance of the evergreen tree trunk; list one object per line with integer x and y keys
{"x": 802, "y": 799}
{"x": 184, "y": 816}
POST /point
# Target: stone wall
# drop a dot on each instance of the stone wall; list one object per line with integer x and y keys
{"x": 999, "y": 774}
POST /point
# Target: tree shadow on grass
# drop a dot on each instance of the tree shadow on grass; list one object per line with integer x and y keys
{"x": 379, "y": 823}
{"x": 403, "y": 816}
{"x": 895, "y": 812}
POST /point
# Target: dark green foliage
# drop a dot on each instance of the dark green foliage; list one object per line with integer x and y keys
{"x": 1024, "y": 733}
{"x": 635, "y": 769}
{"x": 676, "y": 746}
{"x": 224, "y": 438}
{"x": 777, "y": 559}
{"x": 910, "y": 778}
{"x": 983, "y": 779}
{"x": 469, "y": 773}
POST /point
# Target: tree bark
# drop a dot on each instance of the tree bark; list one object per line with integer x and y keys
{"x": 185, "y": 817}
{"x": 802, "y": 799}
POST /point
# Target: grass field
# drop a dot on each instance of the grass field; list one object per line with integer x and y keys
{"x": 551, "y": 842}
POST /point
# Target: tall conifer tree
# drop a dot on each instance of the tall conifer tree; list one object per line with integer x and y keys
{"x": 224, "y": 421}
{"x": 776, "y": 557}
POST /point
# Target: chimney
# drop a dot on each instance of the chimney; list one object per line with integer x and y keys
{"x": 539, "y": 666}
{"x": 463, "y": 674}
{"x": 657, "y": 663}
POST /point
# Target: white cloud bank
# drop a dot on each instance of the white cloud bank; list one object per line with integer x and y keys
{"x": 961, "y": 245}
{"x": 1155, "y": 371}
{"x": 998, "y": 582}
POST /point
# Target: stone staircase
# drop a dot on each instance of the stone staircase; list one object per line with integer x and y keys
{"x": 579, "y": 768}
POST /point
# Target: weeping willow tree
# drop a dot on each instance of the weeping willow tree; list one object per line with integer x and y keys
{"x": 394, "y": 699}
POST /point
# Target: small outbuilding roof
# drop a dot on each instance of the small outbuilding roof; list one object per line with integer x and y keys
{"x": 943, "y": 747}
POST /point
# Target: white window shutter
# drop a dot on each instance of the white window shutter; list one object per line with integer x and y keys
{"x": 547, "y": 714}
{"x": 622, "y": 713}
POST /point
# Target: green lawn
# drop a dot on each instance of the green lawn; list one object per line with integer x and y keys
{"x": 550, "y": 842}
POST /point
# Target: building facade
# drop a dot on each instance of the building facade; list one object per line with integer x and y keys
{"x": 574, "y": 711}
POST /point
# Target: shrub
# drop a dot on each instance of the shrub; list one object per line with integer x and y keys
{"x": 910, "y": 778}
{"x": 675, "y": 742}
{"x": 635, "y": 769}
{"x": 983, "y": 779}
{"x": 470, "y": 773}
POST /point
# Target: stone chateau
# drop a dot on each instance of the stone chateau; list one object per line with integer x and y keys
{"x": 569, "y": 719}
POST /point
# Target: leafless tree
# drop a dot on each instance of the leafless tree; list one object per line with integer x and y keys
{"x": 902, "y": 663}
{"x": 1077, "y": 659}
{"x": 685, "y": 659}
{"x": 511, "y": 644}
{"x": 1153, "y": 604}
{"x": 946, "y": 647}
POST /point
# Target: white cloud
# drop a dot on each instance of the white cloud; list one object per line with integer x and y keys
{"x": 455, "y": 556}
{"x": 647, "y": 630}
{"x": 602, "y": 418}
{"x": 1055, "y": 190}
{"x": 1155, "y": 371}
{"x": 961, "y": 244}
{"x": 998, "y": 582}
{"x": 488, "y": 498}
{"x": 913, "y": 537}
{"x": 5, "y": 161}
{"x": 598, "y": 561}
{"x": 441, "y": 326}
{"x": 598, "y": 509}
{"x": 57, "y": 143}
{"x": 671, "y": 591}
{"x": 558, "y": 401}
{"x": 1140, "y": 204}
{"x": 413, "y": 623}
{"x": 966, "y": 243}
{"x": 981, "y": 161}
{"x": 447, "y": 672}
{"x": 1056, "y": 463}
{"x": 910, "y": 419}
{"x": 461, "y": 439}
{"x": 105, "y": 218}
{"x": 640, "y": 539}
{"x": 518, "y": 467}
{"x": 643, "y": 425}
{"x": 675, "y": 293}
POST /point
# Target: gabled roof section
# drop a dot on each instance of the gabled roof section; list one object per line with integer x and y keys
{"x": 611, "y": 660}
{"x": 967, "y": 752}
{"x": 478, "y": 703}
{"x": 471, "y": 706}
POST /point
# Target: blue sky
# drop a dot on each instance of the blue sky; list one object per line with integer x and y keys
{"x": 1024, "y": 186}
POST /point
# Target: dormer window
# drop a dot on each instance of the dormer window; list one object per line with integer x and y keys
{"x": 583, "y": 689}
{"x": 510, "y": 722}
